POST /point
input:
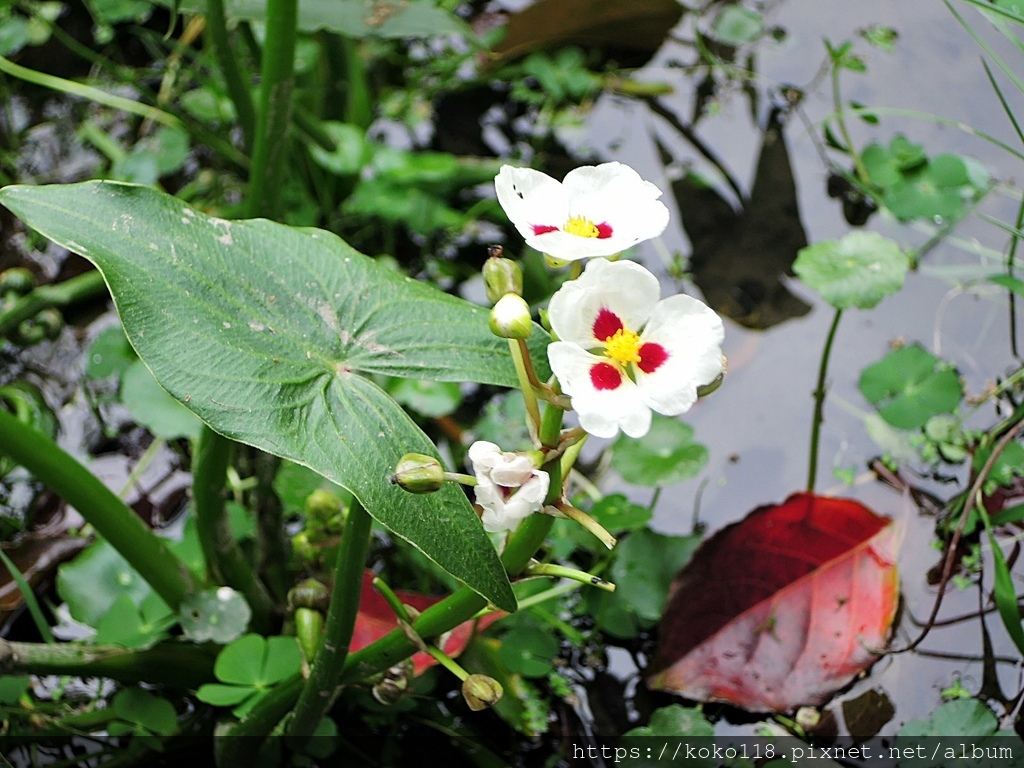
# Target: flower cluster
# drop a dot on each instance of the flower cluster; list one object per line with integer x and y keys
{"x": 623, "y": 353}
{"x": 597, "y": 210}
{"x": 509, "y": 487}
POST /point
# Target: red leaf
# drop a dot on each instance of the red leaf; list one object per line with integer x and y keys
{"x": 376, "y": 619}
{"x": 781, "y": 609}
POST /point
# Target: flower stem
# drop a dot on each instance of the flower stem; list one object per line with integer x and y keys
{"x": 270, "y": 146}
{"x": 564, "y": 572}
{"x": 858, "y": 163}
{"x": 84, "y": 286}
{"x": 225, "y": 563}
{"x": 146, "y": 552}
{"x": 521, "y": 359}
{"x": 587, "y": 522}
{"x": 819, "y": 403}
{"x": 318, "y": 692}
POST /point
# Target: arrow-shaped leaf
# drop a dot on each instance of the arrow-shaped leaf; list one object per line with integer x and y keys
{"x": 264, "y": 331}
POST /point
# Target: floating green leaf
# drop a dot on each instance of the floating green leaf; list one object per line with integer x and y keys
{"x": 528, "y": 651}
{"x": 220, "y": 615}
{"x": 146, "y": 710}
{"x": 263, "y": 331}
{"x": 93, "y": 581}
{"x": 666, "y": 454}
{"x": 858, "y": 271}
{"x": 909, "y": 386}
{"x": 135, "y": 626}
{"x": 736, "y": 25}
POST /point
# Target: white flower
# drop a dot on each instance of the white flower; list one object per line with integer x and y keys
{"x": 596, "y": 211}
{"x": 509, "y": 487}
{"x": 622, "y": 353}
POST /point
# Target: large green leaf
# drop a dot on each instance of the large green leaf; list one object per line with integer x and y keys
{"x": 264, "y": 331}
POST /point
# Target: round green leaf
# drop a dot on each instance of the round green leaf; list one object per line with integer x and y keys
{"x": 241, "y": 662}
{"x": 963, "y": 717}
{"x": 857, "y": 271}
{"x": 528, "y": 651}
{"x": 909, "y": 386}
{"x": 283, "y": 659}
{"x": 736, "y": 25}
{"x": 666, "y": 454}
{"x": 617, "y": 513}
{"x": 265, "y": 332}
{"x": 152, "y": 712}
{"x": 224, "y": 695}
{"x": 219, "y": 615}
{"x": 644, "y": 566}
{"x": 93, "y": 581}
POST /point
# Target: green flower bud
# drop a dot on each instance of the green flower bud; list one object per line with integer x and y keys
{"x": 309, "y": 593}
{"x": 502, "y": 276}
{"x": 16, "y": 280}
{"x": 393, "y": 684}
{"x": 417, "y": 473}
{"x": 510, "y": 318}
{"x": 481, "y": 692}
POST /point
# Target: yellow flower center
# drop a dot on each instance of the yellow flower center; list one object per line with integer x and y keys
{"x": 581, "y": 226}
{"x": 623, "y": 347}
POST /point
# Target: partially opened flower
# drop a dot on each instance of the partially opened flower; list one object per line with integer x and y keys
{"x": 509, "y": 486}
{"x": 595, "y": 211}
{"x": 623, "y": 353}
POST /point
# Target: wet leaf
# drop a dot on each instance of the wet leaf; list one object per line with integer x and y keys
{"x": 666, "y": 454}
{"x": 909, "y": 386}
{"x": 783, "y": 608}
{"x": 219, "y": 615}
{"x": 858, "y": 271}
{"x": 264, "y": 332}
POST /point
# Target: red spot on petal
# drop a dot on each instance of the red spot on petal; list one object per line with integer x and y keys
{"x": 651, "y": 357}
{"x": 604, "y": 230}
{"x": 605, "y": 376}
{"x": 543, "y": 229}
{"x": 606, "y": 324}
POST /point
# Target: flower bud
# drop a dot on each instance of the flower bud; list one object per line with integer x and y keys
{"x": 502, "y": 276}
{"x": 16, "y": 280}
{"x": 417, "y": 473}
{"x": 510, "y": 318}
{"x": 481, "y": 692}
{"x": 309, "y": 593}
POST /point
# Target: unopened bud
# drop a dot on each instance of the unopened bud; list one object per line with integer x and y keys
{"x": 510, "y": 318}
{"x": 16, "y": 280}
{"x": 417, "y": 473}
{"x": 481, "y": 692}
{"x": 309, "y": 593}
{"x": 502, "y": 276}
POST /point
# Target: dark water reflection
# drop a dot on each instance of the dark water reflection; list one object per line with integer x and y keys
{"x": 757, "y": 425}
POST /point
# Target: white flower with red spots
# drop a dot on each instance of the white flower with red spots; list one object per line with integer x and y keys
{"x": 597, "y": 210}
{"x": 623, "y": 353}
{"x": 509, "y": 487}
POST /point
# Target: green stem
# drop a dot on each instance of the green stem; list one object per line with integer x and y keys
{"x": 72, "y": 88}
{"x": 266, "y": 178}
{"x": 29, "y": 597}
{"x": 227, "y": 60}
{"x": 146, "y": 552}
{"x": 379, "y": 656}
{"x": 564, "y": 572}
{"x": 318, "y": 692}
{"x": 225, "y": 563}
{"x": 858, "y": 163}
{"x": 275, "y": 554}
{"x": 519, "y": 352}
{"x": 84, "y": 286}
{"x": 181, "y": 665}
{"x": 819, "y": 403}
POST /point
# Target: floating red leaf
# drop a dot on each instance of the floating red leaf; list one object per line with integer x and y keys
{"x": 376, "y": 619}
{"x": 783, "y": 608}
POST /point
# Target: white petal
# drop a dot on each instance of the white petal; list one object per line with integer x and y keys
{"x": 531, "y": 198}
{"x": 622, "y": 287}
{"x": 692, "y": 335}
{"x": 598, "y": 177}
{"x": 513, "y": 470}
{"x": 484, "y": 456}
{"x": 602, "y": 412}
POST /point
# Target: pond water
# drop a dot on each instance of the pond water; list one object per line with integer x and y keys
{"x": 757, "y": 425}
